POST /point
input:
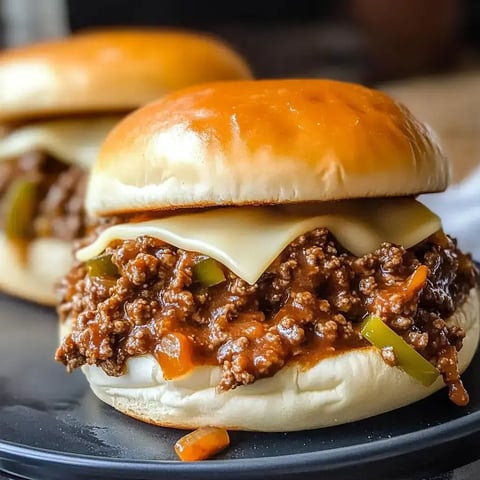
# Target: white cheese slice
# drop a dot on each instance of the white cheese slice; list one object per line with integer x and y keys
{"x": 73, "y": 140}
{"x": 247, "y": 239}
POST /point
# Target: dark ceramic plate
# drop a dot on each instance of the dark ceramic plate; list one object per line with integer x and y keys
{"x": 52, "y": 427}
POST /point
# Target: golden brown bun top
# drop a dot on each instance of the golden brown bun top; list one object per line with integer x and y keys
{"x": 109, "y": 70}
{"x": 258, "y": 142}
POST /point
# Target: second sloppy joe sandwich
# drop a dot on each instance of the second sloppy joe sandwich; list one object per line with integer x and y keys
{"x": 266, "y": 265}
{"x": 58, "y": 101}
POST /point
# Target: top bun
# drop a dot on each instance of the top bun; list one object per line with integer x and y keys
{"x": 109, "y": 71}
{"x": 264, "y": 142}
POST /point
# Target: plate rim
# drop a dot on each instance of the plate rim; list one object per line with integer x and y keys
{"x": 293, "y": 463}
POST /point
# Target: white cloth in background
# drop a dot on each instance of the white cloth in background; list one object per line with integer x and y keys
{"x": 459, "y": 209}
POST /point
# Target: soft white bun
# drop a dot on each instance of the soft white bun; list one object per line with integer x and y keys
{"x": 257, "y": 142}
{"x": 341, "y": 389}
{"x": 109, "y": 70}
{"x": 34, "y": 276}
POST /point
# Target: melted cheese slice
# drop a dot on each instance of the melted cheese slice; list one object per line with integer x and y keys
{"x": 74, "y": 140}
{"x": 247, "y": 239}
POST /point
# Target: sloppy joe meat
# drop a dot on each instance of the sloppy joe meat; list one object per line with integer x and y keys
{"x": 59, "y": 194}
{"x": 307, "y": 305}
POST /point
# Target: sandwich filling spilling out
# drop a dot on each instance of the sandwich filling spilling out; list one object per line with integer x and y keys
{"x": 133, "y": 294}
{"x": 41, "y": 197}
{"x": 43, "y": 176}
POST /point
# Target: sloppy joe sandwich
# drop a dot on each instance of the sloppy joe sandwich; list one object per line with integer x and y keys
{"x": 261, "y": 262}
{"x": 58, "y": 101}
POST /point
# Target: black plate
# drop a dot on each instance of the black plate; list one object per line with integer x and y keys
{"x": 52, "y": 427}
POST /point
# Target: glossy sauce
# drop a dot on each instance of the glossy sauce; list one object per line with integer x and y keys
{"x": 307, "y": 306}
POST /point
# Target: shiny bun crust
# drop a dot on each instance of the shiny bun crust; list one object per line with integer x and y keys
{"x": 340, "y": 389}
{"x": 34, "y": 276}
{"x": 265, "y": 142}
{"x": 109, "y": 70}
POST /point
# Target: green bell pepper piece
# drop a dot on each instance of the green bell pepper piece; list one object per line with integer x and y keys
{"x": 20, "y": 202}
{"x": 101, "y": 266}
{"x": 207, "y": 273}
{"x": 380, "y": 335}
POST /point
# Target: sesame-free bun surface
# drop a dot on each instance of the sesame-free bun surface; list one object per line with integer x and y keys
{"x": 339, "y": 389}
{"x": 109, "y": 70}
{"x": 264, "y": 142}
{"x": 33, "y": 274}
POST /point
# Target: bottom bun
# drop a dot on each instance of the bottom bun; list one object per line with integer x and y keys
{"x": 33, "y": 276}
{"x": 339, "y": 389}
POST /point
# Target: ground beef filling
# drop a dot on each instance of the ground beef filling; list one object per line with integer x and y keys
{"x": 58, "y": 200}
{"x": 306, "y": 306}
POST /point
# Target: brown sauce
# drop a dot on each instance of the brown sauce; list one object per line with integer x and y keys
{"x": 307, "y": 306}
{"x": 60, "y": 189}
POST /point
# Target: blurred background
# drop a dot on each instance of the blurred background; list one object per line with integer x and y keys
{"x": 426, "y": 53}
{"x": 363, "y": 40}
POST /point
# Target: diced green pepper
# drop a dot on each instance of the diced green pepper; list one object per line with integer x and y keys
{"x": 102, "y": 266}
{"x": 381, "y": 336}
{"x": 207, "y": 273}
{"x": 20, "y": 207}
